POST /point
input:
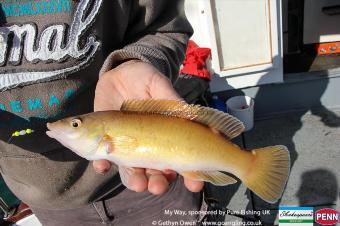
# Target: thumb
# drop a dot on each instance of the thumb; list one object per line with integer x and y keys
{"x": 161, "y": 88}
{"x": 101, "y": 166}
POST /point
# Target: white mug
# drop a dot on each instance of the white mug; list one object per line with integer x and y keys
{"x": 242, "y": 107}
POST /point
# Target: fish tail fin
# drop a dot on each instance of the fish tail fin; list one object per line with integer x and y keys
{"x": 269, "y": 173}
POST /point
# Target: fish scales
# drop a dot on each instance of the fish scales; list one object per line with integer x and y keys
{"x": 193, "y": 140}
{"x": 162, "y": 138}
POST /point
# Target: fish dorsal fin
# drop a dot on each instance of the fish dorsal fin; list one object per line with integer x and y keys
{"x": 172, "y": 108}
{"x": 221, "y": 121}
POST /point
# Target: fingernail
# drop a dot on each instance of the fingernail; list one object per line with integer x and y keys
{"x": 101, "y": 170}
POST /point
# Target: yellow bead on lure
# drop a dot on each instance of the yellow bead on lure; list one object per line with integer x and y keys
{"x": 162, "y": 134}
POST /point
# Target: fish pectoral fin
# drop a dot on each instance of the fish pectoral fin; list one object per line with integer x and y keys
{"x": 214, "y": 177}
{"x": 106, "y": 144}
{"x": 125, "y": 173}
{"x": 118, "y": 143}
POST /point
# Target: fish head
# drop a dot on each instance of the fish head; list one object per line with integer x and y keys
{"x": 81, "y": 134}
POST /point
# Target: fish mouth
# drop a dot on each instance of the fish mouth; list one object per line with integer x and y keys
{"x": 49, "y": 127}
{"x": 55, "y": 132}
{"x": 50, "y": 131}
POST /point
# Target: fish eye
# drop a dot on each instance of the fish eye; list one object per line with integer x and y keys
{"x": 75, "y": 123}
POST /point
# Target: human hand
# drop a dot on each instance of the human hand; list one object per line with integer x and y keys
{"x": 137, "y": 80}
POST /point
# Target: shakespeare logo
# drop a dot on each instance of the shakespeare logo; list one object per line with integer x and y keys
{"x": 296, "y": 216}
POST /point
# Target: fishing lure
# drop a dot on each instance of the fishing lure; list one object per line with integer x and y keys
{"x": 20, "y": 133}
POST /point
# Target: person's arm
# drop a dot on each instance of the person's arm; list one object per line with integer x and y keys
{"x": 156, "y": 42}
{"x": 157, "y": 33}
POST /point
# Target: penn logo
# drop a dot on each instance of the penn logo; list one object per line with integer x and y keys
{"x": 327, "y": 216}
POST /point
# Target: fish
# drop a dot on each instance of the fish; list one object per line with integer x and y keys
{"x": 193, "y": 140}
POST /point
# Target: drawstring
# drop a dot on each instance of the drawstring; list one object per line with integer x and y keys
{"x": 101, "y": 210}
{"x": 109, "y": 216}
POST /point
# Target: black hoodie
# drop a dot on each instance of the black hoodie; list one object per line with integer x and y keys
{"x": 51, "y": 54}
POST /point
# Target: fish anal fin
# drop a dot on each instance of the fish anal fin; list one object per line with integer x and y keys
{"x": 214, "y": 177}
{"x": 218, "y": 120}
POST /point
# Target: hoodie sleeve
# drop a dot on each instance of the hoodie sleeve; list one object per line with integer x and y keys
{"x": 157, "y": 33}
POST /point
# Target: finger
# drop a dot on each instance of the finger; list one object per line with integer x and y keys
{"x": 101, "y": 166}
{"x": 170, "y": 175}
{"x": 193, "y": 186}
{"x": 138, "y": 181}
{"x": 158, "y": 184}
{"x": 150, "y": 172}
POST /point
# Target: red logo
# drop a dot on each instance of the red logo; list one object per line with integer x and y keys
{"x": 326, "y": 216}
